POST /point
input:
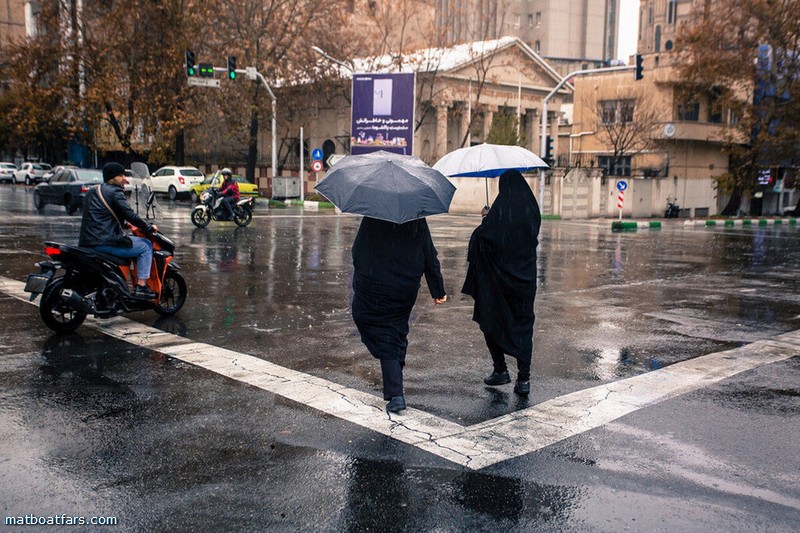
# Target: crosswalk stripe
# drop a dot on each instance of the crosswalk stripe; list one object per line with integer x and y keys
{"x": 477, "y": 446}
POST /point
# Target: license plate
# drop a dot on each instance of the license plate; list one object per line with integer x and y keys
{"x": 36, "y": 283}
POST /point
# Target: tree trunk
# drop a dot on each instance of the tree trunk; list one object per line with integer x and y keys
{"x": 734, "y": 203}
{"x": 252, "y": 148}
{"x": 252, "y": 141}
{"x": 180, "y": 148}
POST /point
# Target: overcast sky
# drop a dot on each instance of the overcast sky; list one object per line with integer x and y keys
{"x": 628, "y": 28}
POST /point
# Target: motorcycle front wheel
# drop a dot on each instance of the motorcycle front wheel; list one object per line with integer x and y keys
{"x": 56, "y": 314}
{"x": 173, "y": 293}
{"x": 242, "y": 216}
{"x": 201, "y": 217}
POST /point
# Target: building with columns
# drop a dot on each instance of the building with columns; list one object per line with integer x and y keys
{"x": 459, "y": 90}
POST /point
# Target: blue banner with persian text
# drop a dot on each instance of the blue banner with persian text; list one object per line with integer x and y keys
{"x": 383, "y": 113}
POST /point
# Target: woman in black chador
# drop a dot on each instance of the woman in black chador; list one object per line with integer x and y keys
{"x": 389, "y": 261}
{"x": 501, "y": 277}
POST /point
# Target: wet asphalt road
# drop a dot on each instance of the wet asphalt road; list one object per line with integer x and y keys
{"x": 92, "y": 425}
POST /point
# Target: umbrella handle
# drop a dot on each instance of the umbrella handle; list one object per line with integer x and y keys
{"x": 486, "y": 182}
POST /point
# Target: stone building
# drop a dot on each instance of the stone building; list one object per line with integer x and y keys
{"x": 461, "y": 89}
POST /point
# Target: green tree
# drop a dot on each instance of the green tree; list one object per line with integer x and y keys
{"x": 745, "y": 55}
{"x": 504, "y": 129}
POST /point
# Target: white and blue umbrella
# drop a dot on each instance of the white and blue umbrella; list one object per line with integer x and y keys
{"x": 488, "y": 161}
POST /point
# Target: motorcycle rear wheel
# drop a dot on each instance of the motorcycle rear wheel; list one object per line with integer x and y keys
{"x": 201, "y": 218}
{"x": 173, "y": 293}
{"x": 242, "y": 216}
{"x": 55, "y": 314}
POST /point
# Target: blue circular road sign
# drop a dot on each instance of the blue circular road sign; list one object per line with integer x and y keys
{"x": 622, "y": 185}
{"x": 316, "y": 155}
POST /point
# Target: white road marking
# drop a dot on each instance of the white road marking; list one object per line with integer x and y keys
{"x": 476, "y": 446}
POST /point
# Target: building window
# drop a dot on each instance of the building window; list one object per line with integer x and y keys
{"x": 537, "y": 46}
{"x": 672, "y": 11}
{"x": 517, "y": 19}
{"x": 530, "y": 20}
{"x": 617, "y": 111}
{"x": 658, "y": 39}
{"x": 714, "y": 107}
{"x": 622, "y": 166}
{"x": 689, "y": 112}
{"x": 538, "y": 18}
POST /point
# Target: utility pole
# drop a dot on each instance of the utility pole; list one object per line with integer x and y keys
{"x": 543, "y": 132}
{"x": 253, "y": 74}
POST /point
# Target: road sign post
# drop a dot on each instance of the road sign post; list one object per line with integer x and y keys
{"x": 621, "y": 186}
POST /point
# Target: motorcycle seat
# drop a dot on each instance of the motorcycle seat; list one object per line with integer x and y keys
{"x": 122, "y": 261}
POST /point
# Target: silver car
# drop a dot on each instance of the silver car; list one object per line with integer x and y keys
{"x": 7, "y": 172}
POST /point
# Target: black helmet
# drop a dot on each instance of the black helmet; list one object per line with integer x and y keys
{"x": 226, "y": 172}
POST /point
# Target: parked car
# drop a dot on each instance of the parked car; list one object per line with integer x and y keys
{"x": 134, "y": 181}
{"x": 7, "y": 172}
{"x": 30, "y": 173}
{"x": 52, "y": 171}
{"x": 175, "y": 180}
{"x": 215, "y": 180}
{"x": 67, "y": 187}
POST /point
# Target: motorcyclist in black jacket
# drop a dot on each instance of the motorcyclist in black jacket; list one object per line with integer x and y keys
{"x": 105, "y": 210}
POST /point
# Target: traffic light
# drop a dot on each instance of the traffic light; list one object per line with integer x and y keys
{"x": 206, "y": 70}
{"x": 191, "y": 70}
{"x": 548, "y": 150}
{"x": 231, "y": 67}
{"x": 639, "y": 72}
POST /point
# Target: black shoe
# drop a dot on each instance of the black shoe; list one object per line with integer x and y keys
{"x": 144, "y": 292}
{"x": 495, "y": 378}
{"x": 396, "y": 404}
{"x": 523, "y": 388}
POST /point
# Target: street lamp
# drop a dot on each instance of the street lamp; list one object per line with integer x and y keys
{"x": 342, "y": 64}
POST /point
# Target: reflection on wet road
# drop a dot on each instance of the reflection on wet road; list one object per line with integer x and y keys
{"x": 626, "y": 323}
{"x": 609, "y": 306}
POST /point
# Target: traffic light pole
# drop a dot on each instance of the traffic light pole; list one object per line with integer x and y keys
{"x": 543, "y": 132}
{"x": 249, "y": 73}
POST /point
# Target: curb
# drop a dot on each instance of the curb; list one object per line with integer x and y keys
{"x": 618, "y": 225}
{"x": 308, "y": 205}
{"x": 742, "y": 222}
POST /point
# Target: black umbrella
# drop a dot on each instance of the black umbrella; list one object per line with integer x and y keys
{"x": 388, "y": 186}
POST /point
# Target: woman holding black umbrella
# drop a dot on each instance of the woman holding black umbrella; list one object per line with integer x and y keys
{"x": 501, "y": 277}
{"x": 390, "y": 260}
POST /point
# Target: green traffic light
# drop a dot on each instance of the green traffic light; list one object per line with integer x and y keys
{"x": 191, "y": 72}
{"x": 232, "y": 75}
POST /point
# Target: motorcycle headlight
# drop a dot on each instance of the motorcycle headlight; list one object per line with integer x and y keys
{"x": 205, "y": 196}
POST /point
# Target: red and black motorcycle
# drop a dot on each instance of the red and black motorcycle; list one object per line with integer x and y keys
{"x": 77, "y": 282}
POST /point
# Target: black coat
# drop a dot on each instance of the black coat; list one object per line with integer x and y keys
{"x": 501, "y": 275}
{"x": 98, "y": 225}
{"x": 389, "y": 261}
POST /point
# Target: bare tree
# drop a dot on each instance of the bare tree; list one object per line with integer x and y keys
{"x": 625, "y": 122}
{"x": 272, "y": 35}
